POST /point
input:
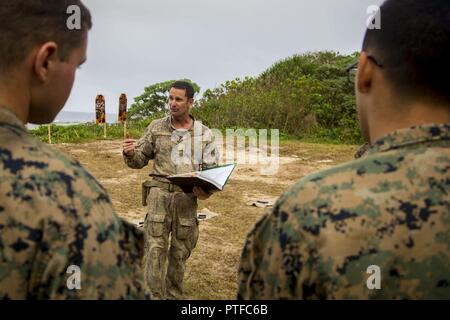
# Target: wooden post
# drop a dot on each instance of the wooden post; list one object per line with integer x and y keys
{"x": 124, "y": 129}
{"x": 49, "y": 134}
{"x": 104, "y": 129}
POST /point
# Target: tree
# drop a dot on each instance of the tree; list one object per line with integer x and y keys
{"x": 153, "y": 100}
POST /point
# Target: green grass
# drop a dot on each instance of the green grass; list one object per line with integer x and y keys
{"x": 88, "y": 132}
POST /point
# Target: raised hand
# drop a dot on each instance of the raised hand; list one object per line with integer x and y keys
{"x": 129, "y": 145}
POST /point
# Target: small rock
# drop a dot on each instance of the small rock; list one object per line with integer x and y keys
{"x": 324, "y": 161}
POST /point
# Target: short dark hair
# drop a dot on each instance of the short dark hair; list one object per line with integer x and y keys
{"x": 28, "y": 23}
{"x": 413, "y": 45}
{"x": 184, "y": 85}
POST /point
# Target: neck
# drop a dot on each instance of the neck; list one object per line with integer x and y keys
{"x": 182, "y": 122}
{"x": 15, "y": 98}
{"x": 406, "y": 116}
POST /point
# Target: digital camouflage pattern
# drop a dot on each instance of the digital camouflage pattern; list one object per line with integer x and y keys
{"x": 54, "y": 214}
{"x": 390, "y": 208}
{"x": 171, "y": 212}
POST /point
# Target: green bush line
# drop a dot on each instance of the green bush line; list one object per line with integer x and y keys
{"x": 305, "y": 96}
{"x": 89, "y": 132}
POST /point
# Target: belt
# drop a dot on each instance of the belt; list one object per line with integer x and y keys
{"x": 167, "y": 186}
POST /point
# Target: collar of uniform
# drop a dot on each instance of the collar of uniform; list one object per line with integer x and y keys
{"x": 413, "y": 135}
{"x": 8, "y": 117}
{"x": 169, "y": 118}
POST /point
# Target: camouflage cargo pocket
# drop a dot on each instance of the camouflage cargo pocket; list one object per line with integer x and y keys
{"x": 157, "y": 223}
{"x": 185, "y": 228}
{"x": 147, "y": 185}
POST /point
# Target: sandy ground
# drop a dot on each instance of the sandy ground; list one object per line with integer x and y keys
{"x": 211, "y": 271}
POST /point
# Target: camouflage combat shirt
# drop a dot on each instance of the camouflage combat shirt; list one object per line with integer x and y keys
{"x": 174, "y": 151}
{"x": 389, "y": 209}
{"x": 55, "y": 220}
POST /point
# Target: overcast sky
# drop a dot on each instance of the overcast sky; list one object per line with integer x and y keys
{"x": 136, "y": 43}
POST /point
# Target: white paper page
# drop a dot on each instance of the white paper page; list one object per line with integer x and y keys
{"x": 218, "y": 175}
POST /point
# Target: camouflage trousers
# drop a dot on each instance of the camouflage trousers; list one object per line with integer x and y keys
{"x": 171, "y": 217}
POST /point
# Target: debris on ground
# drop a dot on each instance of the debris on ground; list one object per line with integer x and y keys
{"x": 325, "y": 161}
{"x": 261, "y": 203}
{"x": 206, "y": 214}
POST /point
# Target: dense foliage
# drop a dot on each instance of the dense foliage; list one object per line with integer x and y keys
{"x": 306, "y": 96}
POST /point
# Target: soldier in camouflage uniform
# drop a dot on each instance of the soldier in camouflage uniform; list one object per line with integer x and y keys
{"x": 55, "y": 218}
{"x": 389, "y": 209}
{"x": 177, "y": 144}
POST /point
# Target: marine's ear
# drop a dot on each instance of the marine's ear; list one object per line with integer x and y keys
{"x": 44, "y": 58}
{"x": 365, "y": 73}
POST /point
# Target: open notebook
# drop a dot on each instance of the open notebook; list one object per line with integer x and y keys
{"x": 211, "y": 180}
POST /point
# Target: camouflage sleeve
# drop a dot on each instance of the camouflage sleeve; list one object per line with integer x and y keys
{"x": 275, "y": 262}
{"x": 251, "y": 257}
{"x": 210, "y": 152}
{"x": 145, "y": 150}
{"x": 57, "y": 225}
{"x": 41, "y": 254}
{"x": 18, "y": 246}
